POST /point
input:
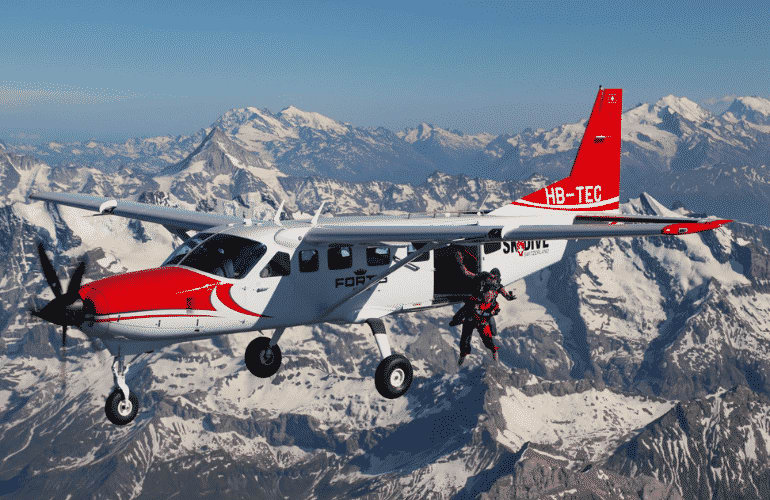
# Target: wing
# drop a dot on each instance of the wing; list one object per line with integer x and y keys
{"x": 611, "y": 230}
{"x": 175, "y": 218}
{"x": 502, "y": 228}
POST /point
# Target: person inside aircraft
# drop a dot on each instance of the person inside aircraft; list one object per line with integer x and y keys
{"x": 479, "y": 310}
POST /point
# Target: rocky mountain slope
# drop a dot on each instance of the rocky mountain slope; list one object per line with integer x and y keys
{"x": 636, "y": 368}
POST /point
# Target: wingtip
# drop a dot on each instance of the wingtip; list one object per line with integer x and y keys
{"x": 694, "y": 227}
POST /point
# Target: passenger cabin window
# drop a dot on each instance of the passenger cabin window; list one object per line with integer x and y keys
{"x": 413, "y": 247}
{"x": 279, "y": 265}
{"x": 225, "y": 255}
{"x": 183, "y": 249}
{"x": 377, "y": 256}
{"x": 340, "y": 257}
{"x": 308, "y": 261}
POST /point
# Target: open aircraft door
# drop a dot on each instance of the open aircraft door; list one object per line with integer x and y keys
{"x": 449, "y": 281}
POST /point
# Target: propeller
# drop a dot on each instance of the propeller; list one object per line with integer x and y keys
{"x": 66, "y": 309}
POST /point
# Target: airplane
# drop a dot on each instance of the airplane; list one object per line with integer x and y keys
{"x": 242, "y": 275}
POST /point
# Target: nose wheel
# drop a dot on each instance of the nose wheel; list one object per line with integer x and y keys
{"x": 119, "y": 410}
{"x": 262, "y": 357}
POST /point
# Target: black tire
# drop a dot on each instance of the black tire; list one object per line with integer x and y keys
{"x": 393, "y": 376}
{"x": 261, "y": 359}
{"x": 117, "y": 412}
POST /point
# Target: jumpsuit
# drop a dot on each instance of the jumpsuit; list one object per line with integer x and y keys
{"x": 480, "y": 310}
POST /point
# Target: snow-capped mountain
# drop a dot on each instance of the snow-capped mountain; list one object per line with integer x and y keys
{"x": 634, "y": 368}
{"x": 309, "y": 144}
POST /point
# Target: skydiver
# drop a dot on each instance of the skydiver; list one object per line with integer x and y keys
{"x": 479, "y": 310}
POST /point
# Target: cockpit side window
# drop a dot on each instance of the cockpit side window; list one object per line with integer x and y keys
{"x": 279, "y": 265}
{"x": 225, "y": 255}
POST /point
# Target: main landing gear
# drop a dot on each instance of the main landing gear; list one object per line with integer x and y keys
{"x": 263, "y": 356}
{"x": 122, "y": 405}
{"x": 394, "y": 373}
{"x": 392, "y": 378}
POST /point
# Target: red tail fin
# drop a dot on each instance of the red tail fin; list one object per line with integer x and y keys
{"x": 594, "y": 183}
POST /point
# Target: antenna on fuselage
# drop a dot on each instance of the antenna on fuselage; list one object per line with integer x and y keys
{"x": 277, "y": 216}
{"x": 481, "y": 207}
{"x": 314, "y": 220}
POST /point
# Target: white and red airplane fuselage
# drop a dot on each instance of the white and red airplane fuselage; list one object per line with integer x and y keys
{"x": 176, "y": 302}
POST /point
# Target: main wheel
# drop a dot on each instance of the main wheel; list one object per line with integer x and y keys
{"x": 393, "y": 376}
{"x": 261, "y": 359}
{"x": 118, "y": 410}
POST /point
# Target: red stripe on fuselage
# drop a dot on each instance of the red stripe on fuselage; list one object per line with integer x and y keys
{"x": 126, "y": 318}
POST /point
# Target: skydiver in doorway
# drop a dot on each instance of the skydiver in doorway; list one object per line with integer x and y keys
{"x": 479, "y": 310}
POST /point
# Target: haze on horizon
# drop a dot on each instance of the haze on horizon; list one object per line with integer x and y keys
{"x": 111, "y": 72}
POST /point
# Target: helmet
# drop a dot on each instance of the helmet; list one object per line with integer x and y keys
{"x": 495, "y": 272}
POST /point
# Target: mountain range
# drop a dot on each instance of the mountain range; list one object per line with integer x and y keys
{"x": 636, "y": 368}
{"x": 674, "y": 149}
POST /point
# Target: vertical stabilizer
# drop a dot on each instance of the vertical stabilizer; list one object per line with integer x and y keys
{"x": 594, "y": 182}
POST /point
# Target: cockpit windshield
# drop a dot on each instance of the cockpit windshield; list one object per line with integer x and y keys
{"x": 183, "y": 249}
{"x": 221, "y": 254}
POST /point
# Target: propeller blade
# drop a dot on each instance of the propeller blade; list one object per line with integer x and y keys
{"x": 48, "y": 271}
{"x": 77, "y": 277}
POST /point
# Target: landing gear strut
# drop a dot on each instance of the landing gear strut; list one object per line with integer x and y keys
{"x": 263, "y": 356}
{"x": 394, "y": 373}
{"x": 122, "y": 405}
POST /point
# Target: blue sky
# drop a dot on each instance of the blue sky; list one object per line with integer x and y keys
{"x": 111, "y": 70}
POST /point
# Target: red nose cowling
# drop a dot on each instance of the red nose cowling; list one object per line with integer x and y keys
{"x": 151, "y": 289}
